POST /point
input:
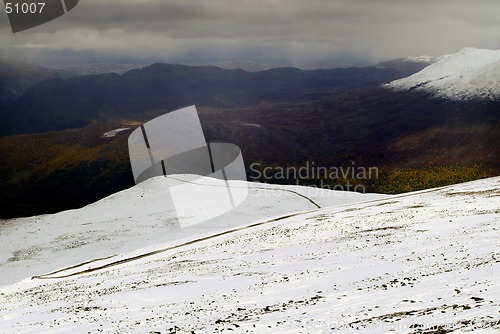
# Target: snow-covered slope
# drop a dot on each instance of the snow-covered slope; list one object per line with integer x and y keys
{"x": 137, "y": 218}
{"x": 469, "y": 74}
{"x": 420, "y": 262}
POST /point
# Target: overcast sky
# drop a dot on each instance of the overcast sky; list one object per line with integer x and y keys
{"x": 303, "y": 33}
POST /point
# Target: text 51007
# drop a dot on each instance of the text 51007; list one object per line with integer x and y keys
{"x": 24, "y": 7}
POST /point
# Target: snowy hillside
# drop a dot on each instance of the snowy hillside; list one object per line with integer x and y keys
{"x": 469, "y": 74}
{"x": 421, "y": 262}
{"x": 140, "y": 217}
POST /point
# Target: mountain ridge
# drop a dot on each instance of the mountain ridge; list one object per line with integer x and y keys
{"x": 466, "y": 75}
{"x": 16, "y": 77}
{"x": 70, "y": 103}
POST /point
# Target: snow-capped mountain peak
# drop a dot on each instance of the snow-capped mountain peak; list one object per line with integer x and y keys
{"x": 468, "y": 74}
{"x": 420, "y": 59}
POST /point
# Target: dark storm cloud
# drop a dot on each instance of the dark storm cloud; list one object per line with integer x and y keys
{"x": 286, "y": 32}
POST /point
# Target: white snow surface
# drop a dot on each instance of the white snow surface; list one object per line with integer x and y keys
{"x": 469, "y": 74}
{"x": 409, "y": 263}
{"x": 138, "y": 218}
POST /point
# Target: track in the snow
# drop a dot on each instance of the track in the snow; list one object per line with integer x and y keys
{"x": 213, "y": 236}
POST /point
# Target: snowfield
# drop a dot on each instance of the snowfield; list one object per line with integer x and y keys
{"x": 423, "y": 262}
{"x": 469, "y": 74}
{"x": 141, "y": 218}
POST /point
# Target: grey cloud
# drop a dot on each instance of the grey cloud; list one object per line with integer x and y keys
{"x": 286, "y": 32}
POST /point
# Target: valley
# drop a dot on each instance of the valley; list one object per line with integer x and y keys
{"x": 55, "y": 156}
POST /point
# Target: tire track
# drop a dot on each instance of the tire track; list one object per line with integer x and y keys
{"x": 140, "y": 256}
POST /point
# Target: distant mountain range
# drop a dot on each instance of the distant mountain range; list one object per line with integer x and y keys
{"x": 54, "y": 154}
{"x": 17, "y": 77}
{"x": 90, "y": 69}
{"x": 59, "y": 104}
